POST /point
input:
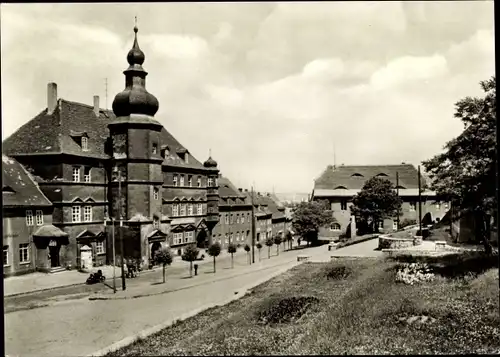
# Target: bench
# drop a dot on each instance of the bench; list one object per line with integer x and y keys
{"x": 440, "y": 245}
{"x": 302, "y": 258}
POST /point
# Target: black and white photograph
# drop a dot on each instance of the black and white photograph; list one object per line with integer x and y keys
{"x": 249, "y": 178}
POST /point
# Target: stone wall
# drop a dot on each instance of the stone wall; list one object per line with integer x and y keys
{"x": 387, "y": 242}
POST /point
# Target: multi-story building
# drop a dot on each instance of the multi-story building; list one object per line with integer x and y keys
{"x": 340, "y": 184}
{"x": 235, "y": 215}
{"x": 30, "y": 241}
{"x": 98, "y": 166}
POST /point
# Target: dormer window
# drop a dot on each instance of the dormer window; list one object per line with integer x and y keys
{"x": 85, "y": 143}
{"x": 356, "y": 175}
{"x": 155, "y": 149}
{"x": 164, "y": 151}
{"x": 381, "y": 175}
{"x": 340, "y": 188}
{"x": 8, "y": 189}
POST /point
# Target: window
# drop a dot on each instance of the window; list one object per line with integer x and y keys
{"x": 177, "y": 238}
{"x": 200, "y": 208}
{"x": 237, "y": 218}
{"x": 381, "y": 225}
{"x": 85, "y": 143}
{"x": 227, "y": 219}
{"x": 99, "y": 248}
{"x": 24, "y": 253}
{"x": 86, "y": 174}
{"x": 155, "y": 149}
{"x": 5, "y": 255}
{"x": 75, "y": 214}
{"x": 87, "y": 214}
{"x": 226, "y": 240}
{"x": 76, "y": 174}
{"x": 29, "y": 217}
{"x": 183, "y": 209}
{"x": 188, "y": 236}
{"x": 343, "y": 205}
{"x": 190, "y": 209}
{"x": 413, "y": 206}
{"x": 446, "y": 205}
{"x": 199, "y": 181}
{"x": 231, "y": 237}
{"x": 181, "y": 182}
{"x": 210, "y": 182}
{"x": 438, "y": 206}
{"x": 395, "y": 225}
{"x": 156, "y": 222}
{"x": 231, "y": 219}
{"x": 175, "y": 209}
{"x": 248, "y": 216}
{"x": 237, "y": 236}
{"x": 156, "y": 193}
{"x": 39, "y": 217}
{"x": 175, "y": 180}
{"x": 190, "y": 181}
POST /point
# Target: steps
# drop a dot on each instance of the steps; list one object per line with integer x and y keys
{"x": 57, "y": 270}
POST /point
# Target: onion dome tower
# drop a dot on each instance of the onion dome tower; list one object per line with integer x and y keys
{"x": 135, "y": 135}
{"x": 212, "y": 195}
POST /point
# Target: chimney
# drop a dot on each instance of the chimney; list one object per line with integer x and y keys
{"x": 220, "y": 175}
{"x": 268, "y": 195}
{"x": 51, "y": 97}
{"x": 403, "y": 163}
{"x": 246, "y": 190}
{"x": 258, "y": 193}
{"x": 240, "y": 189}
{"x": 96, "y": 105}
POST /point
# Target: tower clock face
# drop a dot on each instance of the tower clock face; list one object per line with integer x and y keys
{"x": 120, "y": 146}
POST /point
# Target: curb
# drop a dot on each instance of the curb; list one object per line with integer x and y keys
{"x": 357, "y": 242}
{"x": 152, "y": 330}
{"x": 112, "y": 297}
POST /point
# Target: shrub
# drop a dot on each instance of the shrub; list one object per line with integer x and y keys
{"x": 190, "y": 255}
{"x": 214, "y": 251}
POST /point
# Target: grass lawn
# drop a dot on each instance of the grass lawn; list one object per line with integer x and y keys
{"x": 349, "y": 306}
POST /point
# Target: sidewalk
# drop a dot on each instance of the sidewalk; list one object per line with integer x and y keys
{"x": 35, "y": 282}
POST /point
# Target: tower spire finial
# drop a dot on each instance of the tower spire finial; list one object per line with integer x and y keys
{"x": 135, "y": 26}
{"x": 210, "y": 152}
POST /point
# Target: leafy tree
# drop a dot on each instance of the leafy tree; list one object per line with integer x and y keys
{"x": 308, "y": 217}
{"x": 277, "y": 241}
{"x": 259, "y": 247}
{"x": 190, "y": 254}
{"x": 376, "y": 201}
{"x": 164, "y": 257}
{"x": 269, "y": 243}
{"x": 465, "y": 173}
{"x": 247, "y": 249}
{"x": 214, "y": 251}
{"x": 231, "y": 249}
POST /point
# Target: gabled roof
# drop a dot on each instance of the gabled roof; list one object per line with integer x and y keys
{"x": 354, "y": 177}
{"x": 19, "y": 188}
{"x": 61, "y": 131}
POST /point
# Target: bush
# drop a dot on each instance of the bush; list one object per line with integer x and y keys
{"x": 247, "y": 248}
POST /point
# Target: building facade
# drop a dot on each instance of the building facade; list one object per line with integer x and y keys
{"x": 104, "y": 169}
{"x": 30, "y": 241}
{"x": 340, "y": 184}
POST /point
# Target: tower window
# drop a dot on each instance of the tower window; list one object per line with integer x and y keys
{"x": 175, "y": 180}
{"x": 156, "y": 193}
{"x": 155, "y": 148}
{"x": 210, "y": 182}
{"x": 199, "y": 181}
{"x": 181, "y": 182}
{"x": 190, "y": 181}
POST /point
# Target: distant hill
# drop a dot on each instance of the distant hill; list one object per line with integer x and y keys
{"x": 292, "y": 196}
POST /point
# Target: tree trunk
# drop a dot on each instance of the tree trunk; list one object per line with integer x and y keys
{"x": 191, "y": 269}
{"x": 269, "y": 252}
{"x": 214, "y": 264}
{"x": 277, "y": 249}
{"x": 259, "y": 255}
{"x": 164, "y": 269}
{"x": 232, "y": 263}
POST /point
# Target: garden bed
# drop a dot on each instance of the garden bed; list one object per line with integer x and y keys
{"x": 348, "y": 307}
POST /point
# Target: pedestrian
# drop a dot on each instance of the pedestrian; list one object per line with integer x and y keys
{"x": 196, "y": 269}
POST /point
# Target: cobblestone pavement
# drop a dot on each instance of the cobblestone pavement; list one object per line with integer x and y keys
{"x": 80, "y": 327}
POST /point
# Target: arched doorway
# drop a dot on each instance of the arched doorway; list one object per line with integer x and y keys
{"x": 202, "y": 239}
{"x": 154, "y": 247}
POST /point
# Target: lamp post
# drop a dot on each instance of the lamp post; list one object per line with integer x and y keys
{"x": 122, "y": 260}
{"x": 114, "y": 255}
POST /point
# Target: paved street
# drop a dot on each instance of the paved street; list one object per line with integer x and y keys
{"x": 56, "y": 330}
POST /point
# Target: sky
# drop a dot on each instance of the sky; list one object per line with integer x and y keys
{"x": 273, "y": 89}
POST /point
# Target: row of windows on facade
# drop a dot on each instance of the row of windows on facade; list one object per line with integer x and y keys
{"x": 177, "y": 179}
{"x": 229, "y": 219}
{"x": 183, "y": 237}
{"x": 180, "y": 209}
{"x": 25, "y": 256}
{"x": 413, "y": 205}
{"x": 336, "y": 227}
